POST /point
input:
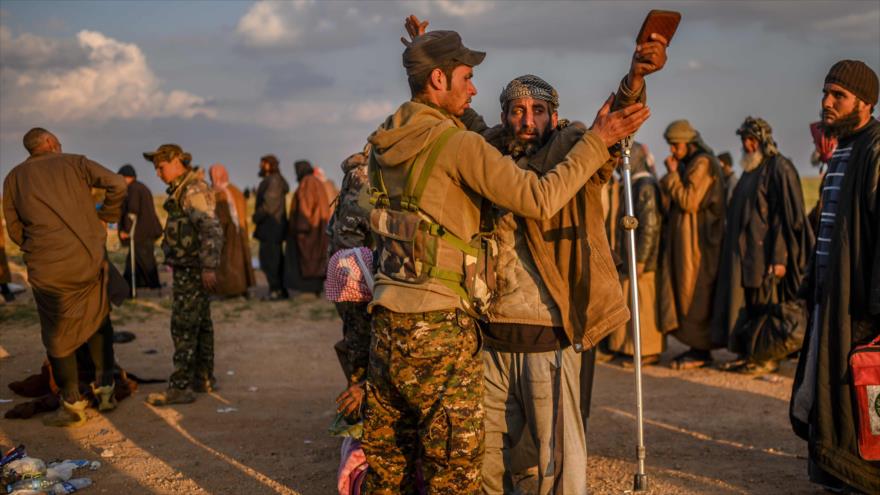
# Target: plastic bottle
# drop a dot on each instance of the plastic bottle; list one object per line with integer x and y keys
{"x": 51, "y": 487}
{"x": 71, "y": 486}
{"x": 63, "y": 471}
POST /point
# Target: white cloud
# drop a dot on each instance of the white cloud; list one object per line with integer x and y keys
{"x": 264, "y": 25}
{"x": 309, "y": 24}
{"x": 852, "y": 26}
{"x": 113, "y": 81}
{"x": 466, "y": 8}
{"x": 372, "y": 111}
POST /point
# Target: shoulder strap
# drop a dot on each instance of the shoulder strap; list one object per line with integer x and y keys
{"x": 411, "y": 201}
{"x": 378, "y": 191}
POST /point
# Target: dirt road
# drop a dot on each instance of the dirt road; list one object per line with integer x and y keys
{"x": 708, "y": 432}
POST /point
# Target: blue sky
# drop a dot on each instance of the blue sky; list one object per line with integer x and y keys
{"x": 231, "y": 81}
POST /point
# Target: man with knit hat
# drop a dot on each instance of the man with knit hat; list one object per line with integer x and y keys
{"x": 192, "y": 245}
{"x": 693, "y": 190}
{"x": 842, "y": 285}
{"x": 139, "y": 203}
{"x": 428, "y": 178}
{"x": 766, "y": 244}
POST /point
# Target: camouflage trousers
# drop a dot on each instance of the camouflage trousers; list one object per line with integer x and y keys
{"x": 424, "y": 403}
{"x": 191, "y": 329}
{"x": 355, "y": 346}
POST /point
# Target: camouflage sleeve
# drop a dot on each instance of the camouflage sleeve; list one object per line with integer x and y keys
{"x": 199, "y": 203}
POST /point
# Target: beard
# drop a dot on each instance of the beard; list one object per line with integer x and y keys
{"x": 518, "y": 147}
{"x": 843, "y": 126}
{"x": 751, "y": 161}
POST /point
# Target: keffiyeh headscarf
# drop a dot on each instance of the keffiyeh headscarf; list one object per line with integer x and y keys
{"x": 759, "y": 129}
{"x": 530, "y": 86}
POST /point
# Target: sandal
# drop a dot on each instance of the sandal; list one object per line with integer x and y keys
{"x": 692, "y": 359}
{"x": 646, "y": 361}
{"x": 762, "y": 368}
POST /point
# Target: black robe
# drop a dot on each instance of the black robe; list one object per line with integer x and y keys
{"x": 766, "y": 224}
{"x": 849, "y": 309}
{"x": 147, "y": 230}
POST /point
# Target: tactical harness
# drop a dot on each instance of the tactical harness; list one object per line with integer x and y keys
{"x": 407, "y": 239}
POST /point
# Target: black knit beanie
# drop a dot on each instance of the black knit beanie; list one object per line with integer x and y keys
{"x": 855, "y": 77}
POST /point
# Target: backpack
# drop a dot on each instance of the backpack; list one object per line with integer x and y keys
{"x": 407, "y": 239}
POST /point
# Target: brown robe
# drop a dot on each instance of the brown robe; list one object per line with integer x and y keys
{"x": 5, "y": 274}
{"x": 235, "y": 273}
{"x": 50, "y": 213}
{"x": 692, "y": 246}
{"x": 307, "y": 228}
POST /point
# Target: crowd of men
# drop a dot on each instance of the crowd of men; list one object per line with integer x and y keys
{"x": 499, "y": 278}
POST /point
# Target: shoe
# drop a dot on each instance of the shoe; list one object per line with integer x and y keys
{"x": 276, "y": 295}
{"x": 205, "y": 386}
{"x": 646, "y": 361}
{"x": 734, "y": 365}
{"x": 105, "y": 396}
{"x": 691, "y": 359}
{"x": 604, "y": 357}
{"x": 171, "y": 396}
{"x": 68, "y": 415}
{"x": 757, "y": 369}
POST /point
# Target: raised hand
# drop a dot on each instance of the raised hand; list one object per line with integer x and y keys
{"x": 614, "y": 126}
{"x": 414, "y": 28}
{"x": 647, "y": 59}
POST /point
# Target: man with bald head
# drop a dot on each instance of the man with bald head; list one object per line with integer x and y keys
{"x": 50, "y": 213}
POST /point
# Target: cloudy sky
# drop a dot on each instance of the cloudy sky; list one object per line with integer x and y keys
{"x": 233, "y": 80}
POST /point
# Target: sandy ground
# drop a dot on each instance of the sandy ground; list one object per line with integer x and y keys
{"x": 707, "y": 432}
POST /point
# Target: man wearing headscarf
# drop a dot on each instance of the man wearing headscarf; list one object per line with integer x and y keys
{"x": 424, "y": 395}
{"x": 235, "y": 273}
{"x": 556, "y": 295}
{"x": 842, "y": 285}
{"x": 766, "y": 243}
{"x": 306, "y": 251}
{"x": 139, "y": 203}
{"x": 50, "y": 213}
{"x": 192, "y": 245}
{"x": 270, "y": 224}
{"x": 647, "y": 210}
{"x": 693, "y": 192}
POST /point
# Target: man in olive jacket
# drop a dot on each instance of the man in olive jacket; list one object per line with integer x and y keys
{"x": 424, "y": 395}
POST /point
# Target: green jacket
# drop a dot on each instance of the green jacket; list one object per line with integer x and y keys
{"x": 193, "y": 236}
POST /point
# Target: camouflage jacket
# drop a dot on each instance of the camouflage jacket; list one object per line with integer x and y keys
{"x": 192, "y": 232}
{"x": 350, "y": 224}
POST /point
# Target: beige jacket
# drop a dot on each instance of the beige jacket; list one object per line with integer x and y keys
{"x": 467, "y": 170}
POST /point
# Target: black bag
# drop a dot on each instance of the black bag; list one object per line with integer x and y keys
{"x": 777, "y": 331}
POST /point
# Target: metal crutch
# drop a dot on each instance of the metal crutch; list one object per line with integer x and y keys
{"x": 134, "y": 219}
{"x": 629, "y": 224}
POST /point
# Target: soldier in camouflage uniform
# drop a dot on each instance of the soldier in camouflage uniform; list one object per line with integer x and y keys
{"x": 349, "y": 227}
{"x": 192, "y": 244}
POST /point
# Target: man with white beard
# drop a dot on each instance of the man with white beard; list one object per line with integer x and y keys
{"x": 766, "y": 244}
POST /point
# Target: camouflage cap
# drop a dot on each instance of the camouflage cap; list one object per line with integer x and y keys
{"x": 434, "y": 48}
{"x": 168, "y": 152}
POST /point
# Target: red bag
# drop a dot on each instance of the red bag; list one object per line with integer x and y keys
{"x": 864, "y": 363}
